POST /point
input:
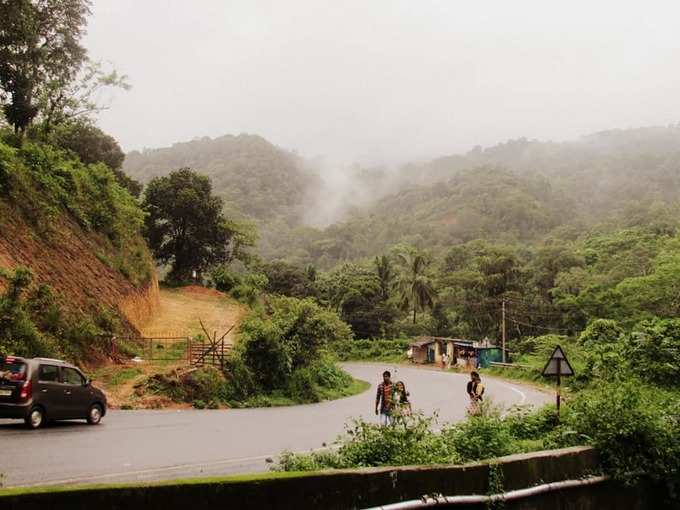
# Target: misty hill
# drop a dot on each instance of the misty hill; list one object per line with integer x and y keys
{"x": 256, "y": 179}
{"x": 521, "y": 190}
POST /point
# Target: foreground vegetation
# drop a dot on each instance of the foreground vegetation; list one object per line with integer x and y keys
{"x": 636, "y": 430}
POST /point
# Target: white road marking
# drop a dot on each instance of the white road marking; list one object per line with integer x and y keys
{"x": 517, "y": 390}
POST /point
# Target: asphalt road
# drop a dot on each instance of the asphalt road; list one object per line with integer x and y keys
{"x": 159, "y": 445}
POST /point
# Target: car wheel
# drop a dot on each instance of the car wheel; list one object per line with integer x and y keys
{"x": 35, "y": 418}
{"x": 94, "y": 415}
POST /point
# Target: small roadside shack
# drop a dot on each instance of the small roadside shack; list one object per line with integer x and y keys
{"x": 424, "y": 350}
{"x": 463, "y": 353}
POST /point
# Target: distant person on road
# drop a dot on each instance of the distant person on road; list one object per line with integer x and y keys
{"x": 402, "y": 405}
{"x": 383, "y": 399}
{"x": 445, "y": 360}
{"x": 475, "y": 391}
{"x": 478, "y": 388}
{"x": 471, "y": 386}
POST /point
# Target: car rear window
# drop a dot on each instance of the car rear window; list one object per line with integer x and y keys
{"x": 12, "y": 370}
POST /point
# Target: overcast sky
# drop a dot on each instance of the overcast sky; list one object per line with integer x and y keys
{"x": 386, "y": 81}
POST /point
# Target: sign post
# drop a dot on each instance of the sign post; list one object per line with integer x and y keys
{"x": 557, "y": 366}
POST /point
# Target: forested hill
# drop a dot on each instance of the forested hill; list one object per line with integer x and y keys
{"x": 257, "y": 179}
{"x": 521, "y": 190}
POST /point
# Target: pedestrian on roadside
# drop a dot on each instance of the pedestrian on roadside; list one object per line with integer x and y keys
{"x": 402, "y": 405}
{"x": 475, "y": 391}
{"x": 478, "y": 387}
{"x": 470, "y": 389}
{"x": 383, "y": 399}
{"x": 445, "y": 360}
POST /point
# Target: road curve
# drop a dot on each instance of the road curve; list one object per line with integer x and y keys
{"x": 161, "y": 445}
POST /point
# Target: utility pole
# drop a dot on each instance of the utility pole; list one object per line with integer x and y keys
{"x": 503, "y": 330}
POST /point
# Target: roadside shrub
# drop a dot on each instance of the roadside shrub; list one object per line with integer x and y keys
{"x": 481, "y": 437}
{"x": 409, "y": 441}
{"x": 302, "y": 386}
{"x": 328, "y": 375}
{"x": 168, "y": 384}
{"x": 265, "y": 354}
{"x": 205, "y": 384}
{"x": 315, "y": 461}
{"x": 240, "y": 383}
{"x": 635, "y": 429}
{"x": 288, "y": 335}
{"x": 523, "y": 422}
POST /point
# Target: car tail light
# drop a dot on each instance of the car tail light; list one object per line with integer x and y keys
{"x": 26, "y": 390}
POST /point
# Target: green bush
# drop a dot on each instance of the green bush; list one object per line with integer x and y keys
{"x": 523, "y": 422}
{"x": 409, "y": 441}
{"x": 19, "y": 333}
{"x": 635, "y": 428}
{"x": 241, "y": 383}
{"x": 205, "y": 384}
{"x": 653, "y": 349}
{"x": 223, "y": 279}
{"x": 302, "y": 385}
{"x": 286, "y": 336}
{"x": 481, "y": 436}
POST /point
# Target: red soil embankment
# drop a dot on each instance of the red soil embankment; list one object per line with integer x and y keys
{"x": 73, "y": 262}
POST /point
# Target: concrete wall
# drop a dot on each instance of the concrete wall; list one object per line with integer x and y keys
{"x": 346, "y": 489}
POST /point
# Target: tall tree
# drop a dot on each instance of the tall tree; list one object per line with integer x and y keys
{"x": 92, "y": 145}
{"x": 39, "y": 48}
{"x": 386, "y": 274}
{"x": 415, "y": 287}
{"x": 185, "y": 226}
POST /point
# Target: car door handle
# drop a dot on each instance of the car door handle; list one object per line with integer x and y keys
{"x": 44, "y": 391}
{"x": 68, "y": 392}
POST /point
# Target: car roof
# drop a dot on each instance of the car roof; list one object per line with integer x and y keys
{"x": 38, "y": 360}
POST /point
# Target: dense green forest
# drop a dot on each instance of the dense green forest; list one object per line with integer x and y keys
{"x": 257, "y": 180}
{"x": 521, "y": 190}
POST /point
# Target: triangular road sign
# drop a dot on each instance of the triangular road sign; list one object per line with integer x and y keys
{"x": 558, "y": 362}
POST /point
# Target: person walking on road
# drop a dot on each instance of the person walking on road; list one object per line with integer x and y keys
{"x": 471, "y": 386}
{"x": 478, "y": 387}
{"x": 402, "y": 405}
{"x": 475, "y": 390}
{"x": 384, "y": 399}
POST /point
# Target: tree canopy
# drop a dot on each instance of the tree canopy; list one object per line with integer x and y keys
{"x": 40, "y": 49}
{"x": 185, "y": 226}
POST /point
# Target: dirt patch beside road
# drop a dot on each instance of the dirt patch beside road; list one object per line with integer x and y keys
{"x": 181, "y": 309}
{"x": 178, "y": 316}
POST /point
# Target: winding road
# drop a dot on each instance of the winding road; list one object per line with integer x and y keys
{"x": 161, "y": 445}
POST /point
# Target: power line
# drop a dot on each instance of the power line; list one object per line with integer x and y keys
{"x": 537, "y": 326}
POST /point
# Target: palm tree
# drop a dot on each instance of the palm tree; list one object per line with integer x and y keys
{"x": 385, "y": 271}
{"x": 413, "y": 284}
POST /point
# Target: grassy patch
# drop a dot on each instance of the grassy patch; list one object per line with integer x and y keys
{"x": 385, "y": 350}
{"x": 125, "y": 375}
{"x": 280, "y": 399}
